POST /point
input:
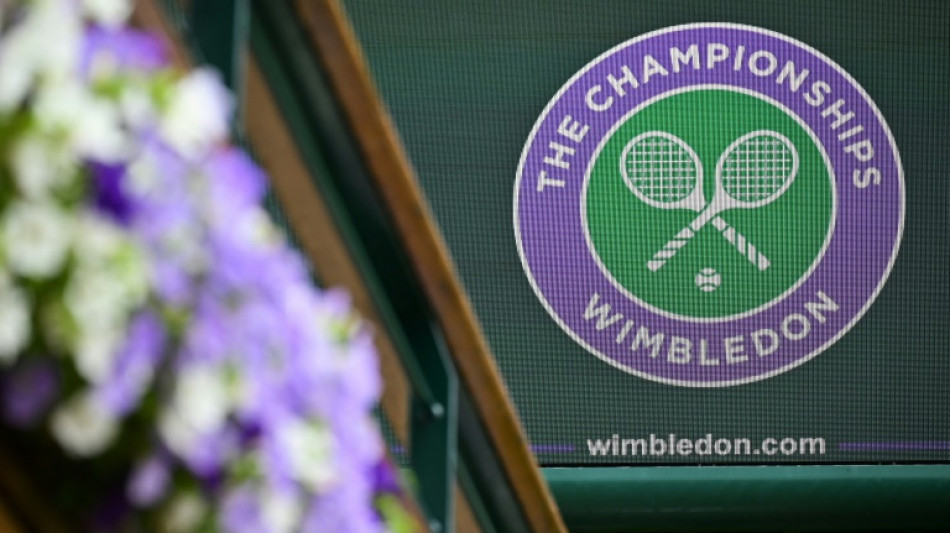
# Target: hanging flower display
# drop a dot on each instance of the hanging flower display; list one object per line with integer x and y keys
{"x": 150, "y": 310}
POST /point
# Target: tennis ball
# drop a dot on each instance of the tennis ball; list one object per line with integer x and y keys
{"x": 708, "y": 279}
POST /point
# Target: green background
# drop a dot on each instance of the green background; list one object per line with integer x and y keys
{"x": 790, "y": 230}
{"x": 465, "y": 82}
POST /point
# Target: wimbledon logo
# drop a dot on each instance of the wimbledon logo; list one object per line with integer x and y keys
{"x": 709, "y": 205}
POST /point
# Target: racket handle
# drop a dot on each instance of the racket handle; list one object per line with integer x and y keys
{"x": 736, "y": 239}
{"x": 669, "y": 250}
{"x": 746, "y": 248}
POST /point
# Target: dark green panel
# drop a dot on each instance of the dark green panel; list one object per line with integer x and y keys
{"x": 465, "y": 82}
{"x": 743, "y": 498}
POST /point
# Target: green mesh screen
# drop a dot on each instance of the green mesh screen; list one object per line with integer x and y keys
{"x": 466, "y": 81}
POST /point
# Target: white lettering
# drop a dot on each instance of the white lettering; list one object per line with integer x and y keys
{"x": 677, "y": 57}
{"x": 826, "y": 304}
{"x": 737, "y": 64}
{"x": 787, "y": 327}
{"x": 869, "y": 176}
{"x": 835, "y": 109}
{"x": 863, "y": 150}
{"x": 702, "y": 355}
{"x": 817, "y": 95}
{"x": 558, "y": 159}
{"x": 734, "y": 349}
{"x": 600, "y": 312}
{"x": 680, "y": 350}
{"x": 788, "y": 73}
{"x": 651, "y": 67}
{"x": 716, "y": 53}
{"x": 544, "y": 181}
{"x": 595, "y": 106}
{"x": 574, "y": 131}
{"x": 770, "y": 63}
{"x": 645, "y": 340}
{"x": 761, "y": 349}
{"x": 627, "y": 77}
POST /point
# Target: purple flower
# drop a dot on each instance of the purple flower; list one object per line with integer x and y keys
{"x": 360, "y": 378}
{"x": 157, "y": 181}
{"x": 335, "y": 303}
{"x": 268, "y": 391}
{"x": 237, "y": 183}
{"x": 109, "y": 196}
{"x": 241, "y": 512}
{"x": 123, "y": 49}
{"x": 172, "y": 283}
{"x": 385, "y": 478}
{"x": 135, "y": 364}
{"x": 211, "y": 453}
{"x": 149, "y": 481}
{"x": 356, "y": 432}
{"x": 209, "y": 336}
{"x": 348, "y": 508}
{"x": 28, "y": 391}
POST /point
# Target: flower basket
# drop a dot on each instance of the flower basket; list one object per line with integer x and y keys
{"x": 166, "y": 363}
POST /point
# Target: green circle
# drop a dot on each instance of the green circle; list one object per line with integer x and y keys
{"x": 790, "y": 231}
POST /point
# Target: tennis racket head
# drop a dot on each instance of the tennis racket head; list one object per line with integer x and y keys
{"x": 757, "y": 168}
{"x": 662, "y": 170}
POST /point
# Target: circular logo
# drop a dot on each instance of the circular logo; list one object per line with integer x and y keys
{"x": 709, "y": 205}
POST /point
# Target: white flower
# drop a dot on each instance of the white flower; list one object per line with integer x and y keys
{"x": 83, "y": 427}
{"x": 197, "y": 116}
{"x": 143, "y": 177}
{"x": 40, "y": 166}
{"x": 35, "y": 238}
{"x": 180, "y": 437}
{"x": 132, "y": 270}
{"x": 60, "y": 106}
{"x": 16, "y": 67}
{"x": 110, "y": 13}
{"x": 100, "y": 245}
{"x": 99, "y": 133}
{"x": 184, "y": 513}
{"x": 92, "y": 124}
{"x": 56, "y": 57}
{"x": 45, "y": 45}
{"x": 95, "y": 239}
{"x": 95, "y": 354}
{"x": 184, "y": 243}
{"x": 309, "y": 452}
{"x": 281, "y": 511}
{"x": 202, "y": 396}
{"x": 136, "y": 106}
{"x": 254, "y": 228}
{"x": 14, "y": 323}
{"x": 96, "y": 300}
{"x": 199, "y": 406}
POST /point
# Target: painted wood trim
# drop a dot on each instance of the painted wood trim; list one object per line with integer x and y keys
{"x": 337, "y": 48}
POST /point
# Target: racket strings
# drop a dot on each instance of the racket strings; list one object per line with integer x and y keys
{"x": 757, "y": 169}
{"x": 661, "y": 170}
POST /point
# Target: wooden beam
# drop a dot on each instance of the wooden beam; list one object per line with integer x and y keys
{"x": 337, "y": 48}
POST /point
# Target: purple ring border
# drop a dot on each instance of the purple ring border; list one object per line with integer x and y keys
{"x": 565, "y": 285}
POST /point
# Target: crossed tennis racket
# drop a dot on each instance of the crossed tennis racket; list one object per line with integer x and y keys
{"x": 664, "y": 172}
